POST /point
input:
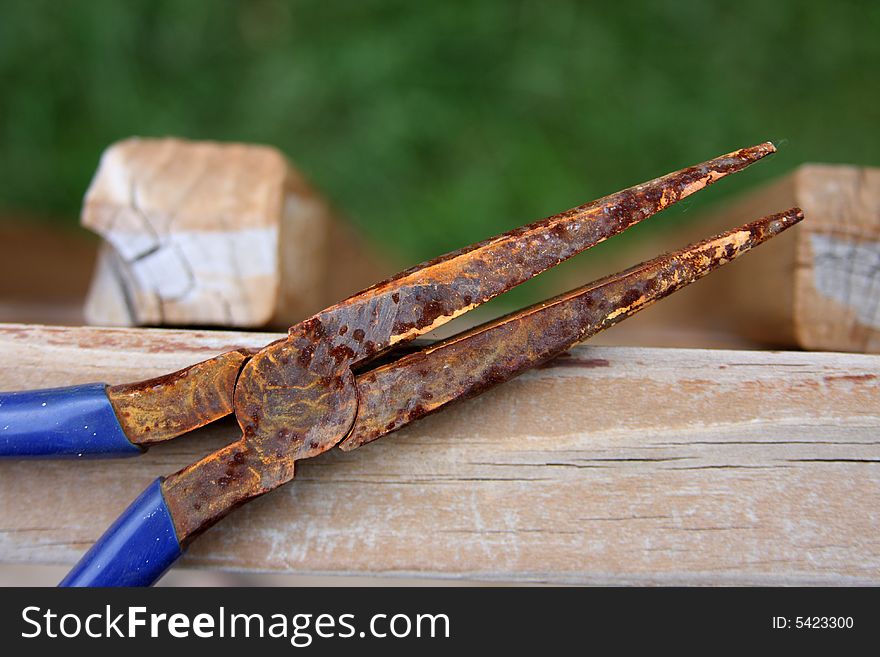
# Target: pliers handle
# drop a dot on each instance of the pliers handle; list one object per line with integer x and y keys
{"x": 96, "y": 420}
{"x": 79, "y": 422}
{"x": 72, "y": 422}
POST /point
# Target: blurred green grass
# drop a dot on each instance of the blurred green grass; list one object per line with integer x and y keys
{"x": 431, "y": 125}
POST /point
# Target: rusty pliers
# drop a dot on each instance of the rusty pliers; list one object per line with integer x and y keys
{"x": 324, "y": 384}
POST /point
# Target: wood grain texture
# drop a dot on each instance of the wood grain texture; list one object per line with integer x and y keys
{"x": 611, "y": 465}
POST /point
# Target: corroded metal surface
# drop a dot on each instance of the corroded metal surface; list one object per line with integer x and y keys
{"x": 297, "y": 397}
{"x": 160, "y": 409}
{"x": 398, "y": 393}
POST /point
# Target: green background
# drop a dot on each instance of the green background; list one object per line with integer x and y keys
{"x": 434, "y": 124}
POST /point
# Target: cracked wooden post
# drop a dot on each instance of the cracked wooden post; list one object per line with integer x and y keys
{"x": 204, "y": 233}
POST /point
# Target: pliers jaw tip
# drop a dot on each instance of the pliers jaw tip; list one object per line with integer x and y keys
{"x": 402, "y": 391}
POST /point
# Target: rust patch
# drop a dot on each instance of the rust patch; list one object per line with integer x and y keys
{"x": 162, "y": 408}
{"x": 853, "y": 378}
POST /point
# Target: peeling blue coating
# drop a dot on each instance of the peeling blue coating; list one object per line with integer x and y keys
{"x": 137, "y": 549}
{"x": 72, "y": 422}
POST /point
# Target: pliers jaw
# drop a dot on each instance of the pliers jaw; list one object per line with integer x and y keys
{"x": 463, "y": 366}
{"x": 306, "y": 381}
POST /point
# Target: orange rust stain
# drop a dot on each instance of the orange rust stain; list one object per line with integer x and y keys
{"x": 854, "y": 378}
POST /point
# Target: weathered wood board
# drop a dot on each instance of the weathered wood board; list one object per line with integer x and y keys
{"x": 612, "y": 465}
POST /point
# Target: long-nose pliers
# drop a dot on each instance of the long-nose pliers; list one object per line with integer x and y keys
{"x": 339, "y": 378}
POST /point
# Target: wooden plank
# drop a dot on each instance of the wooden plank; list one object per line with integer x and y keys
{"x": 609, "y": 466}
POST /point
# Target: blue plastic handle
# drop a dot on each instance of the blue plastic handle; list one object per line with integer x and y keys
{"x": 137, "y": 549}
{"x": 72, "y": 422}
